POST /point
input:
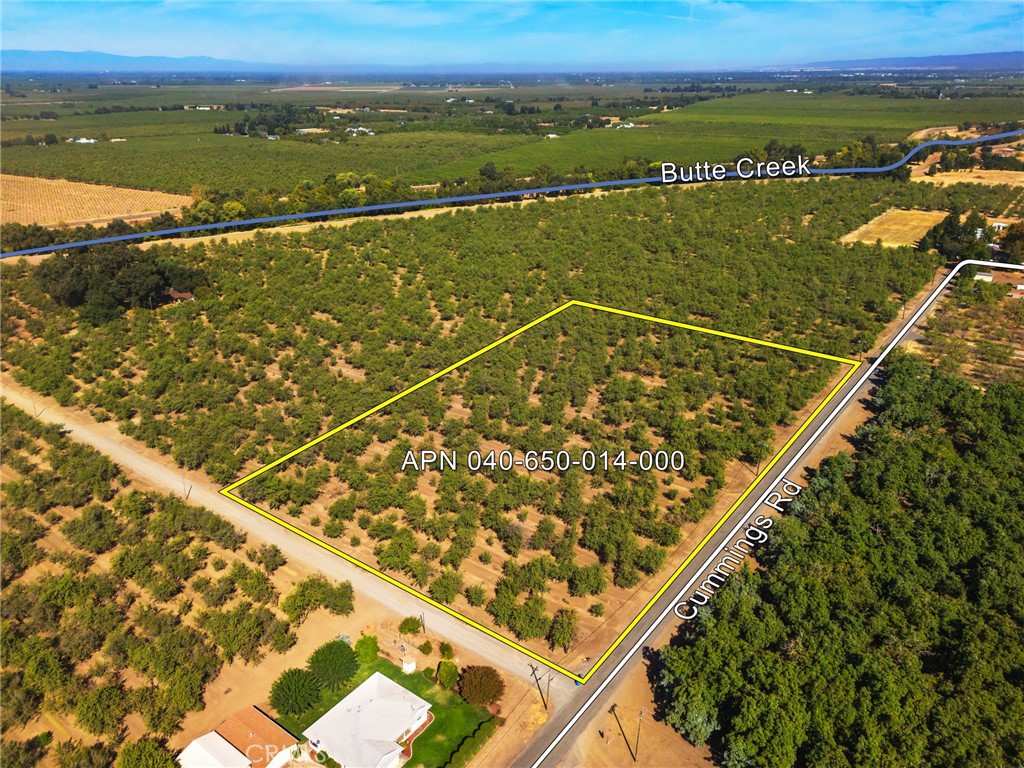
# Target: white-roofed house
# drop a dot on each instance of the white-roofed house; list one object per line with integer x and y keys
{"x": 366, "y": 728}
{"x": 211, "y": 750}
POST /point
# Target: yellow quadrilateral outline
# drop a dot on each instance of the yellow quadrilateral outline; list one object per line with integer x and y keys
{"x": 228, "y": 491}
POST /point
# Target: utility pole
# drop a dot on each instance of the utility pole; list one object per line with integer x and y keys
{"x": 423, "y": 623}
{"x": 639, "y": 720}
{"x": 533, "y": 671}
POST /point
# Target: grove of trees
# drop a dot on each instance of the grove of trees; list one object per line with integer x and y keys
{"x": 887, "y": 627}
{"x": 254, "y": 367}
{"x": 113, "y": 592}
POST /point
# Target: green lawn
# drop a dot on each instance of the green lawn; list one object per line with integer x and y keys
{"x": 454, "y": 719}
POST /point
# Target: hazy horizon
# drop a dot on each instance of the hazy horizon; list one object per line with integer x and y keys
{"x": 517, "y": 36}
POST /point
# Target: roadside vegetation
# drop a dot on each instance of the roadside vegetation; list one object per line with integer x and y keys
{"x": 886, "y": 626}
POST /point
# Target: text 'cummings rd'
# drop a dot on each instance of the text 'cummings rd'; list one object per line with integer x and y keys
{"x": 733, "y": 555}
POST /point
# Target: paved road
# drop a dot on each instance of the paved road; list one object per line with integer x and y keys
{"x": 566, "y": 708}
{"x": 573, "y": 714}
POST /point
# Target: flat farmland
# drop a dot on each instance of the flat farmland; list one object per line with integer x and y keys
{"x": 177, "y": 163}
{"x": 121, "y": 124}
{"x": 896, "y": 227}
{"x": 174, "y": 150}
{"x": 719, "y": 129}
{"x": 975, "y": 176}
{"x": 28, "y": 200}
{"x": 560, "y": 557}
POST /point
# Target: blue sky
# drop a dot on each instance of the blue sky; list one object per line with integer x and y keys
{"x": 523, "y": 35}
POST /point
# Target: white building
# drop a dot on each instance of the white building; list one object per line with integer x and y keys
{"x": 366, "y": 728}
{"x": 211, "y": 750}
{"x": 247, "y": 739}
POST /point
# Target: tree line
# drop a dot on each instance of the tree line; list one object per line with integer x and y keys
{"x": 886, "y": 626}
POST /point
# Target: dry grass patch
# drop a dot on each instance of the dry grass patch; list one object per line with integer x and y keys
{"x": 896, "y": 227}
{"x": 975, "y": 176}
{"x": 28, "y": 200}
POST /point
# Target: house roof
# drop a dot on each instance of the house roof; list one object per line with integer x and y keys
{"x": 211, "y": 750}
{"x": 256, "y": 736}
{"x": 362, "y": 730}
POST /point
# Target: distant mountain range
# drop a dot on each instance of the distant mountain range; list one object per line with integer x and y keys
{"x": 96, "y": 62}
{"x": 1004, "y": 60}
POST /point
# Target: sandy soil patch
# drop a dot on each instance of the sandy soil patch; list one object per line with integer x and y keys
{"x": 28, "y": 200}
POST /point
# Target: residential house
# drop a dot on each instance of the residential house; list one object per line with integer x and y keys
{"x": 247, "y": 739}
{"x": 366, "y": 728}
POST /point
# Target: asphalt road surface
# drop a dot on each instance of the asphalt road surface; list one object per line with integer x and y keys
{"x": 573, "y": 714}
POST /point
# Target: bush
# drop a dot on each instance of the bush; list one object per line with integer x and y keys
{"x": 447, "y": 674}
{"x": 145, "y": 753}
{"x": 476, "y": 595}
{"x": 73, "y": 754}
{"x": 447, "y": 652}
{"x": 294, "y": 692}
{"x": 268, "y": 555}
{"x": 597, "y": 609}
{"x": 333, "y": 664}
{"x": 316, "y": 592}
{"x": 426, "y": 648}
{"x": 410, "y": 625}
{"x": 367, "y": 649}
{"x": 25, "y": 754}
{"x": 470, "y": 746}
{"x": 481, "y": 685}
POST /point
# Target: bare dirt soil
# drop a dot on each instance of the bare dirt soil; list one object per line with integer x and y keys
{"x": 28, "y": 200}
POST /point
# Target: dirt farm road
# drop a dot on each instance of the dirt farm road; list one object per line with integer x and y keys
{"x": 157, "y": 470}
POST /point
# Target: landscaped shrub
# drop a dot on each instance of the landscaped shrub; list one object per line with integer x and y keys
{"x": 410, "y": 626}
{"x": 367, "y": 649}
{"x": 295, "y": 691}
{"x": 447, "y": 674}
{"x": 333, "y": 664}
{"x": 481, "y": 685}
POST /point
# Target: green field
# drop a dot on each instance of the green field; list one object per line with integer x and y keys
{"x": 175, "y": 163}
{"x": 719, "y": 129}
{"x": 122, "y": 124}
{"x": 175, "y": 150}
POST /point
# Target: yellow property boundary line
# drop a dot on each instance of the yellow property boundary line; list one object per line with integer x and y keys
{"x": 228, "y": 491}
